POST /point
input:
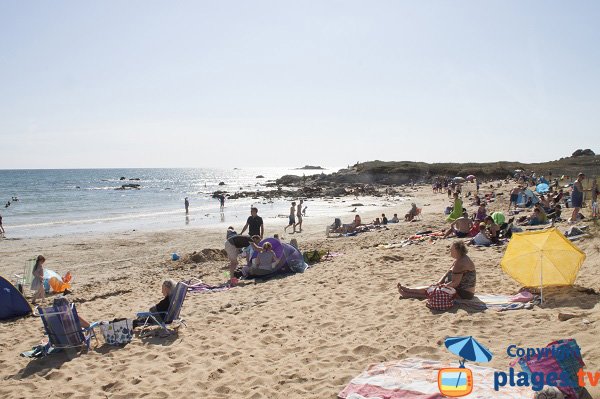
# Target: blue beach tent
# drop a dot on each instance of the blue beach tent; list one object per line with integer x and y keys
{"x": 12, "y": 302}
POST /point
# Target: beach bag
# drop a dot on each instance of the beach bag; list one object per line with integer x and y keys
{"x": 117, "y": 332}
{"x": 311, "y": 257}
{"x": 566, "y": 359}
{"x": 440, "y": 298}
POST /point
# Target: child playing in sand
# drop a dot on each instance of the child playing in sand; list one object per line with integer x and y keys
{"x": 266, "y": 259}
{"x": 264, "y": 263}
{"x": 37, "y": 284}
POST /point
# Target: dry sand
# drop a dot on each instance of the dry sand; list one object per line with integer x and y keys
{"x": 301, "y": 336}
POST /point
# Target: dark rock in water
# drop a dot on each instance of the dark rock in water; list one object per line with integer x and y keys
{"x": 135, "y": 178}
{"x": 221, "y": 183}
{"x": 357, "y": 204}
{"x": 77, "y": 187}
{"x": 260, "y": 177}
{"x": 122, "y": 178}
{"x": 129, "y": 186}
{"x": 310, "y": 167}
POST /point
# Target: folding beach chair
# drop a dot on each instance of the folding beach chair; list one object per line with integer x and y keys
{"x": 162, "y": 319}
{"x": 63, "y": 327}
{"x": 27, "y": 276}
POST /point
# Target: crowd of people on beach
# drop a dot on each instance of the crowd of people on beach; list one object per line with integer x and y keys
{"x": 479, "y": 227}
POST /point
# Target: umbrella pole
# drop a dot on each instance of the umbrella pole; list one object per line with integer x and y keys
{"x": 541, "y": 280}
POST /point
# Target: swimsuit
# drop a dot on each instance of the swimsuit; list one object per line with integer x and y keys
{"x": 468, "y": 280}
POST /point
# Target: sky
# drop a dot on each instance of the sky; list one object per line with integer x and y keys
{"x": 87, "y": 84}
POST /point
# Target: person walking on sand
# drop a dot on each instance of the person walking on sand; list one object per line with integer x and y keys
{"x": 255, "y": 223}
{"x": 292, "y": 218}
{"x": 186, "y": 203}
{"x": 299, "y": 216}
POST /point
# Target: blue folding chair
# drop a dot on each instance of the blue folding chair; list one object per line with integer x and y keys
{"x": 63, "y": 327}
{"x": 162, "y": 319}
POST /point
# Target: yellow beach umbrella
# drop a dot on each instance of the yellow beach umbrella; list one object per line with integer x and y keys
{"x": 542, "y": 258}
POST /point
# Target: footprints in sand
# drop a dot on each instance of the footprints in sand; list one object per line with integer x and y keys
{"x": 391, "y": 258}
{"x": 365, "y": 350}
{"x": 103, "y": 296}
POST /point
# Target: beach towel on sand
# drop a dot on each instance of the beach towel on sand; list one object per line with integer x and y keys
{"x": 199, "y": 286}
{"x": 415, "y": 378}
{"x": 499, "y": 302}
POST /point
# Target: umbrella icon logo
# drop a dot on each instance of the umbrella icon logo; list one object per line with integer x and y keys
{"x": 456, "y": 382}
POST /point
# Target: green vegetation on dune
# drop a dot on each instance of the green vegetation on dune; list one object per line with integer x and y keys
{"x": 401, "y": 172}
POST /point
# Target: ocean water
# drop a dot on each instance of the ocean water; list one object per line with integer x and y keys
{"x": 70, "y": 201}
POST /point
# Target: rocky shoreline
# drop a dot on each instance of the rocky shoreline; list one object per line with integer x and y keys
{"x": 377, "y": 178}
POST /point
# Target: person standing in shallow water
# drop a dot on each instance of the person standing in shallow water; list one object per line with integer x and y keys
{"x": 186, "y": 203}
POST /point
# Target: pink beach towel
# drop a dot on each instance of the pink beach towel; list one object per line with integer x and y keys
{"x": 415, "y": 378}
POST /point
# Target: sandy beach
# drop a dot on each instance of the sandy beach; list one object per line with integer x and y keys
{"x": 300, "y": 336}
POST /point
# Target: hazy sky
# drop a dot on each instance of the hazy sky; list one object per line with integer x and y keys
{"x": 286, "y": 83}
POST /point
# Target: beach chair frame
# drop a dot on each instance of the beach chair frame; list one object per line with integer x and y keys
{"x": 62, "y": 326}
{"x": 162, "y": 319}
{"x": 418, "y": 214}
{"x": 26, "y": 278}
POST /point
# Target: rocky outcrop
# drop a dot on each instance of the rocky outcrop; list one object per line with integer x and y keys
{"x": 583, "y": 153}
{"x": 310, "y": 167}
{"x": 288, "y": 180}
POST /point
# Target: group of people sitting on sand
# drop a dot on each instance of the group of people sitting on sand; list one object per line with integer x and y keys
{"x": 356, "y": 225}
{"x": 482, "y": 232}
